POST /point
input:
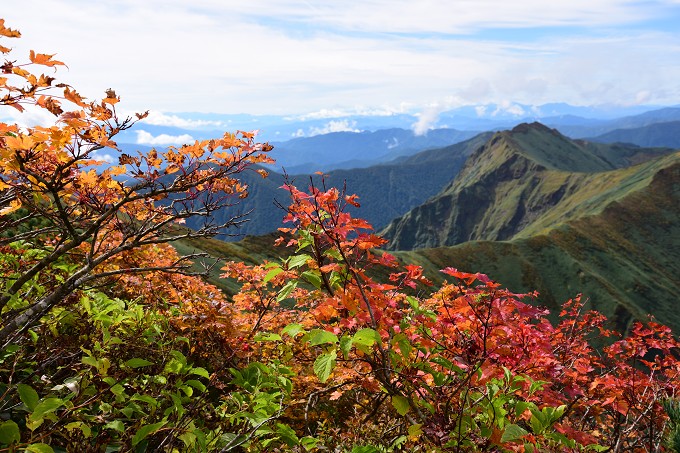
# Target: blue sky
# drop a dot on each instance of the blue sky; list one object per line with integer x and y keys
{"x": 380, "y": 56}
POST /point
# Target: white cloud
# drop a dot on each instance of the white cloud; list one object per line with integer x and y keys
{"x": 391, "y": 144}
{"x": 335, "y": 126}
{"x": 30, "y": 117}
{"x": 507, "y": 107}
{"x": 145, "y": 138}
{"x": 643, "y": 97}
{"x": 356, "y": 111}
{"x": 427, "y": 119}
{"x": 444, "y": 16}
{"x": 161, "y": 119}
{"x": 106, "y": 157}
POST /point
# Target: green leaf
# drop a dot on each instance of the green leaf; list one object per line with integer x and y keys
{"x": 345, "y": 345}
{"x": 198, "y": 385}
{"x": 286, "y": 290}
{"x": 292, "y": 329}
{"x": 143, "y": 432}
{"x": 415, "y": 431}
{"x": 313, "y": 277}
{"x": 271, "y": 274}
{"x": 365, "y": 449}
{"x": 48, "y": 405}
{"x": 199, "y": 371}
{"x": 267, "y": 336}
{"x": 513, "y": 432}
{"x": 189, "y": 439}
{"x": 9, "y": 432}
{"x": 117, "y": 390}
{"x": 304, "y": 240}
{"x": 324, "y": 364}
{"x": 401, "y": 404}
{"x": 148, "y": 399}
{"x": 320, "y": 336}
{"x": 173, "y": 366}
{"x": 179, "y": 356}
{"x": 137, "y": 363}
{"x": 39, "y": 448}
{"x": 28, "y": 396}
{"x": 287, "y": 434}
{"x": 367, "y": 337}
{"x": 596, "y": 447}
{"x": 298, "y": 260}
{"x": 522, "y": 406}
{"x": 85, "y": 429}
{"x": 115, "y": 425}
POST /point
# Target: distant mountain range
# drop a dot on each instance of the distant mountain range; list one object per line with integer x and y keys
{"x": 655, "y": 134}
{"x": 329, "y": 141}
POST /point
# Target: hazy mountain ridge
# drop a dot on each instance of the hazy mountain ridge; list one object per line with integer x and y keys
{"x": 359, "y": 149}
{"x": 385, "y": 191}
{"x": 656, "y": 134}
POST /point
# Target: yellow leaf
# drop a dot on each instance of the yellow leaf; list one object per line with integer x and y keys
{"x": 13, "y": 206}
{"x": 118, "y": 170}
{"x": 20, "y": 72}
{"x": 22, "y": 142}
{"x": 88, "y": 178}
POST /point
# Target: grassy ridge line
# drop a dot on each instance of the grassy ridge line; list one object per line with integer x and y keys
{"x": 508, "y": 189}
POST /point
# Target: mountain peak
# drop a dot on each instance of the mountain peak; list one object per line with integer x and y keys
{"x": 552, "y": 150}
{"x": 523, "y": 128}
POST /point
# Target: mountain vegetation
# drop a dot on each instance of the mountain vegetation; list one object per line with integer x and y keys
{"x": 111, "y": 341}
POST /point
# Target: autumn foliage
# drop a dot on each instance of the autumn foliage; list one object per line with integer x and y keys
{"x": 469, "y": 366}
{"x": 110, "y": 342}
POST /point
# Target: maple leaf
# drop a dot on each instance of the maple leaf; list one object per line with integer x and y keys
{"x": 8, "y": 32}
{"x": 44, "y": 59}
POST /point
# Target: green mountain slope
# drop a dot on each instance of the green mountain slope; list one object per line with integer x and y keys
{"x": 521, "y": 182}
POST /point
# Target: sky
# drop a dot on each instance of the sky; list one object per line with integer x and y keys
{"x": 371, "y": 56}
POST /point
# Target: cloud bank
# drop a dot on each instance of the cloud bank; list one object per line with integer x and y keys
{"x": 291, "y": 57}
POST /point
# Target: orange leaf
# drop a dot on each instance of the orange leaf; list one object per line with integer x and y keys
{"x": 44, "y": 59}
{"x": 8, "y": 32}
